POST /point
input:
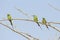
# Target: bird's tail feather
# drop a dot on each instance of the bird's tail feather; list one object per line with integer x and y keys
{"x": 38, "y": 25}
{"x": 11, "y": 24}
{"x": 47, "y": 26}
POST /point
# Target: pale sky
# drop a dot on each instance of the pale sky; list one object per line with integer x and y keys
{"x": 32, "y": 7}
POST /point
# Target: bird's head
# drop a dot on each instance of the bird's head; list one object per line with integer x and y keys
{"x": 43, "y": 18}
{"x": 34, "y": 15}
{"x": 8, "y": 14}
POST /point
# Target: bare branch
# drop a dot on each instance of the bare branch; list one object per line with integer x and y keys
{"x": 30, "y": 20}
{"x": 39, "y": 22}
{"x": 18, "y": 19}
{"x": 54, "y": 22}
{"x": 48, "y": 24}
{"x": 31, "y": 36}
{"x": 53, "y": 7}
{"x": 20, "y": 33}
{"x": 23, "y": 12}
{"x": 54, "y": 27}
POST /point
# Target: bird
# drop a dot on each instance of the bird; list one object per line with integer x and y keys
{"x": 10, "y": 19}
{"x": 44, "y": 22}
{"x": 35, "y": 18}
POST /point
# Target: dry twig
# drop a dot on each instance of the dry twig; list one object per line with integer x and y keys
{"x": 39, "y": 22}
{"x": 20, "y": 33}
{"x": 53, "y": 7}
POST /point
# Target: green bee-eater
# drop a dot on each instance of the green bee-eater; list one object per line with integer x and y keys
{"x": 44, "y": 22}
{"x": 35, "y": 18}
{"x": 10, "y": 19}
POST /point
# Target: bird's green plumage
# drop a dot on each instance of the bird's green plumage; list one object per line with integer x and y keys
{"x": 44, "y": 22}
{"x": 9, "y": 18}
{"x": 35, "y": 18}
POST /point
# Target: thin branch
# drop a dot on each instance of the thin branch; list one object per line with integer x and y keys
{"x": 18, "y": 19}
{"x": 31, "y": 36}
{"x": 23, "y": 12}
{"x": 20, "y": 33}
{"x": 54, "y": 27}
{"x": 39, "y": 22}
{"x": 54, "y": 22}
{"x": 48, "y": 24}
{"x": 24, "y": 19}
{"x": 30, "y": 20}
{"x": 53, "y": 7}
